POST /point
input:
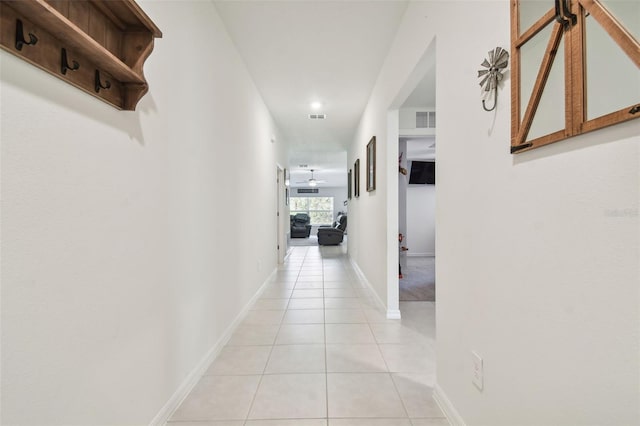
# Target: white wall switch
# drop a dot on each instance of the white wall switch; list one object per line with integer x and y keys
{"x": 478, "y": 373}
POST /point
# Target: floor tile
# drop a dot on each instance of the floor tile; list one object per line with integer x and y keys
{"x": 284, "y": 284}
{"x": 304, "y": 293}
{"x": 369, "y": 422}
{"x": 291, "y": 334}
{"x": 313, "y": 273}
{"x": 269, "y": 304}
{"x": 304, "y": 316}
{"x": 272, "y": 292}
{"x": 397, "y": 333}
{"x": 340, "y": 292}
{"x": 289, "y": 422}
{"x": 237, "y": 360}
{"x": 306, "y": 304}
{"x": 264, "y": 317}
{"x": 209, "y": 423}
{"x": 430, "y": 422}
{"x": 347, "y": 358}
{"x": 254, "y": 335}
{"x": 315, "y": 284}
{"x": 344, "y": 316}
{"x": 408, "y": 358}
{"x": 342, "y": 303}
{"x": 219, "y": 398}
{"x": 363, "y": 395}
{"x": 335, "y": 275}
{"x": 376, "y": 315}
{"x": 297, "y": 359}
{"x": 338, "y": 284}
{"x": 349, "y": 333}
{"x": 290, "y": 396}
{"x": 416, "y": 392}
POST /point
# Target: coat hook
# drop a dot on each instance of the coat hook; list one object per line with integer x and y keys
{"x": 495, "y": 100}
{"x": 99, "y": 85}
{"x": 64, "y": 63}
{"x": 20, "y": 41}
{"x": 492, "y": 75}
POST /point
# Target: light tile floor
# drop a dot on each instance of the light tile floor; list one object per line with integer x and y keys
{"x": 315, "y": 351}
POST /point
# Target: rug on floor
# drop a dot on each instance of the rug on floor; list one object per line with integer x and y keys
{"x": 419, "y": 279}
{"x": 297, "y": 242}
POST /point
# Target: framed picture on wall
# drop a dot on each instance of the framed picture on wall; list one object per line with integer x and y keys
{"x": 349, "y": 187}
{"x": 371, "y": 165}
{"x": 356, "y": 178}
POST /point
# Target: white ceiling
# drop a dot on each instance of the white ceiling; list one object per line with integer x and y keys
{"x": 303, "y": 51}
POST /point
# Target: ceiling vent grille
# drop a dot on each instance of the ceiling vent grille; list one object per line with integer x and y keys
{"x": 308, "y": 190}
{"x": 425, "y": 119}
{"x": 317, "y": 116}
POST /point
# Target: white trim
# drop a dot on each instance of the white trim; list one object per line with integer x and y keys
{"x": 420, "y": 254}
{"x": 453, "y": 417}
{"x": 392, "y": 255}
{"x": 391, "y": 313}
{"x": 196, "y": 374}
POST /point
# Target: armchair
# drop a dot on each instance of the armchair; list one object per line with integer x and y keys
{"x": 333, "y": 235}
{"x": 300, "y": 225}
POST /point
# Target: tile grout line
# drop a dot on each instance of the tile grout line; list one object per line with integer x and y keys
{"x": 324, "y": 327}
{"x": 264, "y": 369}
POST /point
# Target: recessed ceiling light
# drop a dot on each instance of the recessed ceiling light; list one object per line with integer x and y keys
{"x": 316, "y": 105}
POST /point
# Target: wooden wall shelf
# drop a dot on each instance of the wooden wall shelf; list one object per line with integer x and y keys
{"x": 105, "y": 43}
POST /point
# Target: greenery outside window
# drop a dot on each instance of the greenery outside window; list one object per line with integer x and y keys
{"x": 575, "y": 68}
{"x": 319, "y": 209}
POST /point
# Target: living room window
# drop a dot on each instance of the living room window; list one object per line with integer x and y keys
{"x": 319, "y": 209}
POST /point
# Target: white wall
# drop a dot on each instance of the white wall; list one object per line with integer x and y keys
{"x": 421, "y": 220}
{"x": 121, "y": 255}
{"x": 537, "y": 254}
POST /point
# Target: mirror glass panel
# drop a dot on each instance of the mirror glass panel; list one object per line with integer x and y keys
{"x": 550, "y": 115}
{"x": 531, "y": 11}
{"x": 627, "y": 13}
{"x": 612, "y": 79}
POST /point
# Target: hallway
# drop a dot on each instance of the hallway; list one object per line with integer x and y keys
{"x": 315, "y": 351}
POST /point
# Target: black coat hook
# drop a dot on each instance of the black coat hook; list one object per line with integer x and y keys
{"x": 495, "y": 100}
{"x": 64, "y": 63}
{"x": 20, "y": 41}
{"x": 99, "y": 85}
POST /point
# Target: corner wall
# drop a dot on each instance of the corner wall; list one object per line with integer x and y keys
{"x": 537, "y": 254}
{"x": 123, "y": 232}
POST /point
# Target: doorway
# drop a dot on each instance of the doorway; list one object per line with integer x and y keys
{"x": 414, "y": 129}
{"x": 281, "y": 215}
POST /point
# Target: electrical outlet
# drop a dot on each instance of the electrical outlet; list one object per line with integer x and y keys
{"x": 478, "y": 373}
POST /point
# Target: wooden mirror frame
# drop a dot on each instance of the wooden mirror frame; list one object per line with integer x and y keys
{"x": 576, "y": 121}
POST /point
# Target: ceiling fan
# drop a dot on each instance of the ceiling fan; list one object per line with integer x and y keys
{"x": 312, "y": 181}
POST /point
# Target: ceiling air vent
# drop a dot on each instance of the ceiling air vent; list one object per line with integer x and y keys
{"x": 425, "y": 119}
{"x": 308, "y": 190}
{"x": 317, "y": 116}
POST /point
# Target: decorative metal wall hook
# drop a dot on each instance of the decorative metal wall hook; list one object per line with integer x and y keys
{"x": 64, "y": 63}
{"x": 20, "y": 40}
{"x": 99, "y": 85}
{"x": 498, "y": 60}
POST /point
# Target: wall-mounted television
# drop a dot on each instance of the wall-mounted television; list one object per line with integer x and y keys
{"x": 423, "y": 172}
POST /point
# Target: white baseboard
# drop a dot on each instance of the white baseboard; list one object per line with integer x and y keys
{"x": 420, "y": 254}
{"x": 196, "y": 374}
{"x": 391, "y": 313}
{"x": 453, "y": 417}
